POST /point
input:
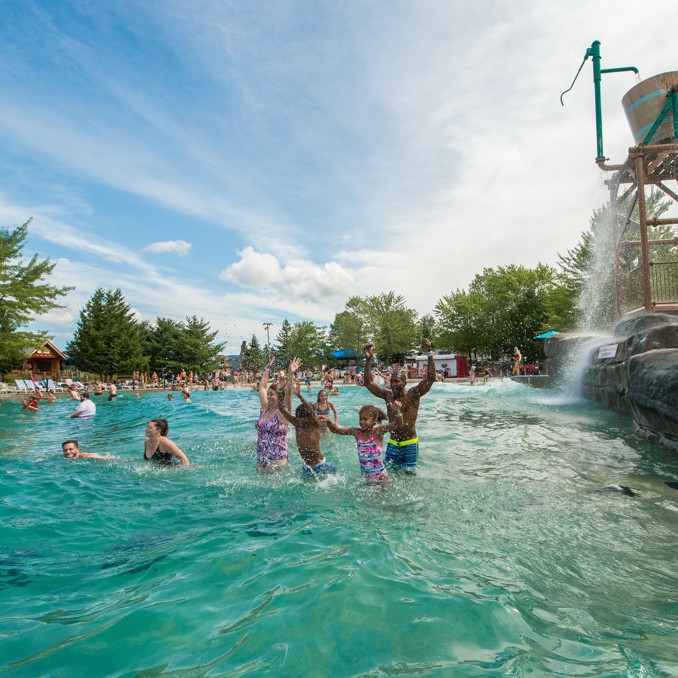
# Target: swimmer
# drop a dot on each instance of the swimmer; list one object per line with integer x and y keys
{"x": 31, "y": 404}
{"x": 370, "y": 439}
{"x": 170, "y": 397}
{"x": 307, "y": 426}
{"x": 403, "y": 447}
{"x": 158, "y": 447}
{"x": 71, "y": 450}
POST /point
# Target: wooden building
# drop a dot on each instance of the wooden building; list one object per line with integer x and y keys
{"x": 44, "y": 362}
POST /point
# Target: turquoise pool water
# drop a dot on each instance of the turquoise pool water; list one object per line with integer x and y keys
{"x": 502, "y": 557}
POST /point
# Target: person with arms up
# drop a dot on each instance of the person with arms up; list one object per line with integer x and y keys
{"x": 307, "y": 425}
{"x": 402, "y": 452}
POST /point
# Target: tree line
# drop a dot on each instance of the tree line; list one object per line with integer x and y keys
{"x": 504, "y": 306}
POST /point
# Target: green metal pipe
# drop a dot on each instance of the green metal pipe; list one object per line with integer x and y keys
{"x": 594, "y": 52}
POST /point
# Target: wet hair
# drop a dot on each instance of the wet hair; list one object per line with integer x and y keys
{"x": 322, "y": 390}
{"x": 162, "y": 424}
{"x": 84, "y": 395}
{"x": 374, "y": 412}
{"x": 66, "y": 442}
{"x": 304, "y": 411}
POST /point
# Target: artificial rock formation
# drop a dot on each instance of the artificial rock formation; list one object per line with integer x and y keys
{"x": 634, "y": 371}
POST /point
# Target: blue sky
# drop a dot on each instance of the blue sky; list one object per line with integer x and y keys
{"x": 248, "y": 162}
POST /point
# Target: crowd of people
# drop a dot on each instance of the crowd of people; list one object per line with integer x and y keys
{"x": 311, "y": 422}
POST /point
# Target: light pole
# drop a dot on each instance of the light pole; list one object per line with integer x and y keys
{"x": 268, "y": 339}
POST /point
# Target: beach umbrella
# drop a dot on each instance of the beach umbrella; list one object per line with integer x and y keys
{"x": 546, "y": 335}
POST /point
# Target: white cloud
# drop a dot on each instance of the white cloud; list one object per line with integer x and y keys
{"x": 180, "y": 247}
{"x": 302, "y": 282}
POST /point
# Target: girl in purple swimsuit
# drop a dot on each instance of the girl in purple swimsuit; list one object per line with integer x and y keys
{"x": 271, "y": 426}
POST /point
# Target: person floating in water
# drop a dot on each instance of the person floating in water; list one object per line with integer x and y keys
{"x": 370, "y": 439}
{"x": 307, "y": 426}
{"x": 403, "y": 448}
{"x": 71, "y": 450}
{"x": 159, "y": 448}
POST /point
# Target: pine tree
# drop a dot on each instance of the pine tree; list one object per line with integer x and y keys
{"x": 23, "y": 294}
{"x": 108, "y": 340}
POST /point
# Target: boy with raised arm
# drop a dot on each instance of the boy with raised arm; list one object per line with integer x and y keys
{"x": 307, "y": 426}
{"x": 403, "y": 447}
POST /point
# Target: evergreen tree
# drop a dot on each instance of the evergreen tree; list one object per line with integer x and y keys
{"x": 281, "y": 348}
{"x": 254, "y": 357}
{"x": 23, "y": 294}
{"x": 108, "y": 340}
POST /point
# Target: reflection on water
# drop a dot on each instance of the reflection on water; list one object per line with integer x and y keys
{"x": 516, "y": 548}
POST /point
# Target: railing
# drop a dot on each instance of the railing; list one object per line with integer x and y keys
{"x": 663, "y": 286}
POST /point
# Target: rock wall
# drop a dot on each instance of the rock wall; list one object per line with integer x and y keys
{"x": 634, "y": 370}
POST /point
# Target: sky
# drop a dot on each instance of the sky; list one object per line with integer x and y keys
{"x": 249, "y": 162}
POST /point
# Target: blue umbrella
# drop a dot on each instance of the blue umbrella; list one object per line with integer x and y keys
{"x": 546, "y": 335}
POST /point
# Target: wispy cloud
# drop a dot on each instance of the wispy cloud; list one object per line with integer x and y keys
{"x": 180, "y": 247}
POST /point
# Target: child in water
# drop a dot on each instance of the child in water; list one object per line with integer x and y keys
{"x": 307, "y": 426}
{"x": 370, "y": 439}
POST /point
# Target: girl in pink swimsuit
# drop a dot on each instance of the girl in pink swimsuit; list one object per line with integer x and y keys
{"x": 370, "y": 439}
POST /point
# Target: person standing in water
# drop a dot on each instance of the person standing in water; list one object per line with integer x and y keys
{"x": 323, "y": 407}
{"x": 402, "y": 452}
{"x": 369, "y": 438}
{"x": 307, "y": 425}
{"x": 271, "y": 426}
{"x": 159, "y": 448}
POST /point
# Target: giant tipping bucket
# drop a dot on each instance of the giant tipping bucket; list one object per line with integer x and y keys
{"x": 644, "y": 103}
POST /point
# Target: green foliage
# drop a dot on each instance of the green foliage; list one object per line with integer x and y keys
{"x": 309, "y": 343}
{"x": 347, "y": 331}
{"x": 503, "y": 308}
{"x": 108, "y": 340}
{"x": 176, "y": 345}
{"x": 253, "y": 357}
{"x": 23, "y": 294}
{"x": 281, "y": 348}
{"x": 386, "y": 322}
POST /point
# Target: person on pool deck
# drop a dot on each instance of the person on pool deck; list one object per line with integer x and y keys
{"x": 307, "y": 426}
{"x": 159, "y": 448}
{"x": 403, "y": 447}
{"x": 71, "y": 450}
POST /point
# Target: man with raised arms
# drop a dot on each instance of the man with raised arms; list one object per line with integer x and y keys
{"x": 403, "y": 447}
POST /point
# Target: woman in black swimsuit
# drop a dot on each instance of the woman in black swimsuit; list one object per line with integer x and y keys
{"x": 159, "y": 448}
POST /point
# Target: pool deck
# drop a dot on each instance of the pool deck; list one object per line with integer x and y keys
{"x": 534, "y": 381}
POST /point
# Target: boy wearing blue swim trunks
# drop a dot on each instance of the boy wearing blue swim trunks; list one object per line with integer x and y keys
{"x": 403, "y": 447}
{"x": 307, "y": 426}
